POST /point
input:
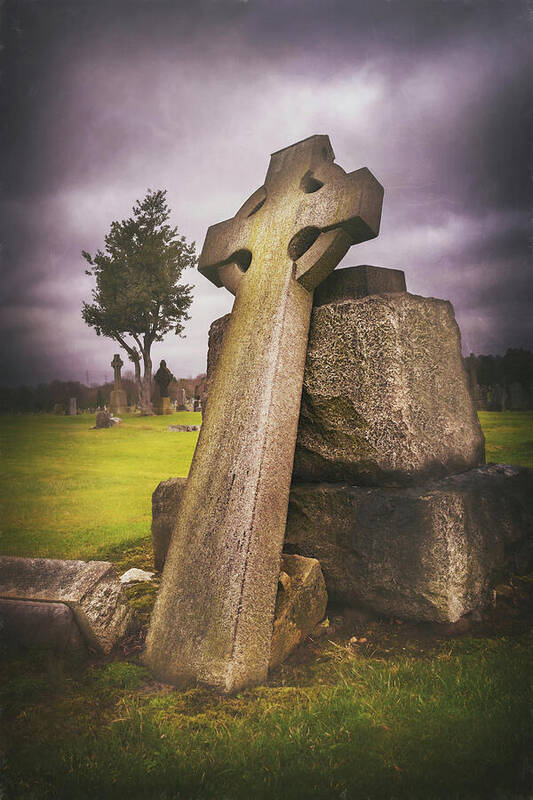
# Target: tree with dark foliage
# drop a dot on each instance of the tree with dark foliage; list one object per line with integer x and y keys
{"x": 137, "y": 299}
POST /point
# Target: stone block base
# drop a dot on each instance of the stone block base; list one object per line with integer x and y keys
{"x": 118, "y": 403}
{"x": 426, "y": 553}
{"x": 163, "y": 406}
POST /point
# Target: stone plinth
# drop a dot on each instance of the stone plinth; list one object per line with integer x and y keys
{"x": 352, "y": 283}
{"x": 91, "y": 590}
{"x": 118, "y": 403}
{"x": 163, "y": 406}
{"x": 429, "y": 552}
{"x": 385, "y": 397}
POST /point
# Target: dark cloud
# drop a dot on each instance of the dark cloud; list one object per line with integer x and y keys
{"x": 102, "y": 100}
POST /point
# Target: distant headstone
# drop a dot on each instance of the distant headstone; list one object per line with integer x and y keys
{"x": 59, "y": 409}
{"x": 181, "y": 428}
{"x": 118, "y": 402}
{"x": 182, "y": 399}
{"x": 73, "y": 407}
{"x": 197, "y": 404}
{"x": 163, "y": 377}
{"x": 518, "y": 399}
{"x": 103, "y": 419}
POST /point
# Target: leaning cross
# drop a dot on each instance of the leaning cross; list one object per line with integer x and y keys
{"x": 212, "y": 622}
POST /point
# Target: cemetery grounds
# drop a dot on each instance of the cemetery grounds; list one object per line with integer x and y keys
{"x": 405, "y": 711}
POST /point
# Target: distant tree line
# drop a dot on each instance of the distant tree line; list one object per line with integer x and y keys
{"x": 45, "y": 397}
{"x": 502, "y": 383}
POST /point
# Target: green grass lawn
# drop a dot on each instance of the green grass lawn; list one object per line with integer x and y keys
{"x": 412, "y": 713}
{"x": 71, "y": 492}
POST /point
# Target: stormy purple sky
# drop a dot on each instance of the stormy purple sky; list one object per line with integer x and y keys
{"x": 101, "y": 100}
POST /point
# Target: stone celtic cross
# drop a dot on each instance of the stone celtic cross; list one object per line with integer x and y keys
{"x": 213, "y": 617}
{"x": 117, "y": 365}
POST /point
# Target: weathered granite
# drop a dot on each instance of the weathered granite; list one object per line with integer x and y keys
{"x": 386, "y": 399}
{"x": 118, "y": 402}
{"x": 91, "y": 589}
{"x": 430, "y": 552}
{"x": 300, "y": 605}
{"x": 222, "y": 568}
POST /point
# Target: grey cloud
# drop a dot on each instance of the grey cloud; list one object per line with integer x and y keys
{"x": 105, "y": 100}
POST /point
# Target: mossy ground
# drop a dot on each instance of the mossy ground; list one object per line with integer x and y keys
{"x": 405, "y": 712}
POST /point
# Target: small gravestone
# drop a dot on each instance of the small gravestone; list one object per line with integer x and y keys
{"x": 163, "y": 377}
{"x": 59, "y": 409}
{"x": 103, "y": 419}
{"x": 118, "y": 401}
{"x": 183, "y": 428}
{"x": 221, "y": 574}
{"x": 518, "y": 400}
{"x": 73, "y": 407}
{"x": 182, "y": 400}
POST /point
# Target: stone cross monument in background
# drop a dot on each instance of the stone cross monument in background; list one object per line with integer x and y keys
{"x": 118, "y": 403}
{"x": 213, "y": 617}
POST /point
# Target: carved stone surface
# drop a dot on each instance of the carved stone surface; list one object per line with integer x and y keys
{"x": 429, "y": 552}
{"x": 221, "y": 574}
{"x": 91, "y": 589}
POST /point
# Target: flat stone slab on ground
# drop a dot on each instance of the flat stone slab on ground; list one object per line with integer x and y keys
{"x": 91, "y": 589}
{"x": 183, "y": 428}
{"x": 37, "y": 624}
{"x": 425, "y": 553}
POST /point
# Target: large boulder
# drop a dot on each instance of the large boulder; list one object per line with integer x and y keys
{"x": 91, "y": 591}
{"x": 429, "y": 552}
{"x": 385, "y": 399}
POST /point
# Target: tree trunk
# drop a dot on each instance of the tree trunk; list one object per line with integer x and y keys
{"x": 146, "y": 386}
{"x": 138, "y": 379}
